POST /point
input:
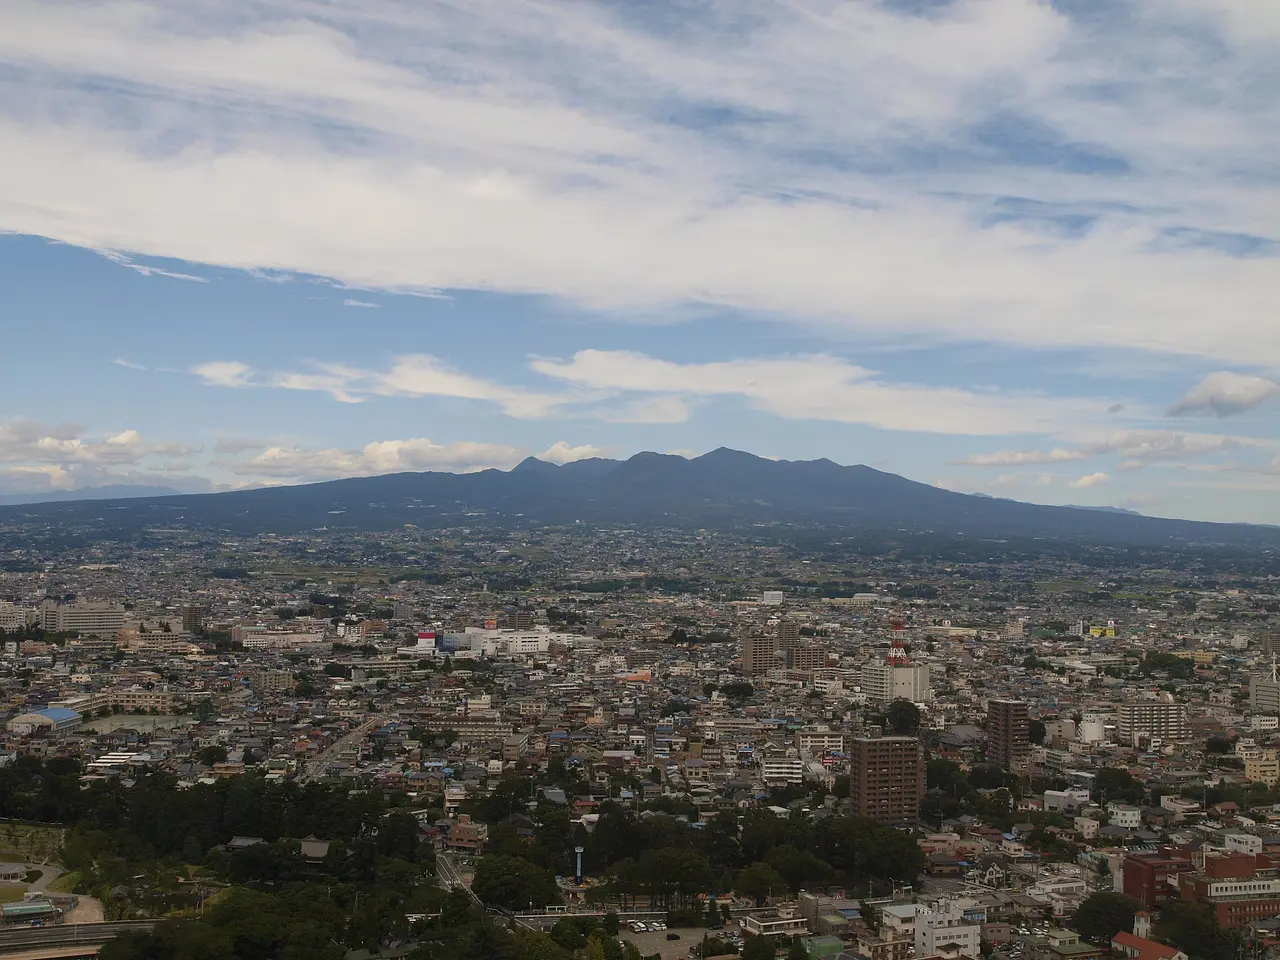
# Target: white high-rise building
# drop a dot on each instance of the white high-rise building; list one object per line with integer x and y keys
{"x": 885, "y": 682}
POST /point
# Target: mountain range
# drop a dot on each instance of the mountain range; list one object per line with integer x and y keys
{"x": 724, "y": 488}
{"x": 114, "y": 491}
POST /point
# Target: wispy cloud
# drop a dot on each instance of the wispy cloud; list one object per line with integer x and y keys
{"x": 146, "y": 270}
{"x": 352, "y": 302}
{"x": 128, "y": 364}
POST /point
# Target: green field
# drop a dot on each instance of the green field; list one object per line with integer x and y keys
{"x": 11, "y": 894}
{"x": 65, "y": 883}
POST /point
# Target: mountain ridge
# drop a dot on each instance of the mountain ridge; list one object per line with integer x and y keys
{"x": 722, "y": 488}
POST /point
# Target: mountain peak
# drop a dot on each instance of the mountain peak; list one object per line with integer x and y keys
{"x": 534, "y": 465}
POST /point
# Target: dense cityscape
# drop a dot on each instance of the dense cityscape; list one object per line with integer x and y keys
{"x": 554, "y": 741}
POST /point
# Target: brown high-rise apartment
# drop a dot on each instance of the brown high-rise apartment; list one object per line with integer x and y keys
{"x": 1008, "y": 732}
{"x": 758, "y": 655}
{"x": 886, "y": 779}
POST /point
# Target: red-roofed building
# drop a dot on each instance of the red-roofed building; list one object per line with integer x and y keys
{"x": 1131, "y": 945}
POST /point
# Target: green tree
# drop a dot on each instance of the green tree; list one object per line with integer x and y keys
{"x": 1194, "y": 929}
{"x": 214, "y": 753}
{"x": 513, "y": 883}
{"x": 797, "y": 950}
{"x": 1102, "y": 915}
{"x": 902, "y": 717}
{"x": 870, "y": 916}
{"x": 759, "y": 881}
{"x": 758, "y": 948}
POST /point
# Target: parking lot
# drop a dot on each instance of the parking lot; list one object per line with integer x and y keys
{"x": 656, "y": 941}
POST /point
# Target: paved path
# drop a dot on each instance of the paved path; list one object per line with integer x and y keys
{"x": 48, "y": 873}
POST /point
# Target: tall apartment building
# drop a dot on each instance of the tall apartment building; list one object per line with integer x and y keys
{"x": 884, "y": 682}
{"x": 886, "y": 778}
{"x": 805, "y": 657}
{"x": 1151, "y": 720}
{"x": 193, "y": 618}
{"x": 758, "y": 655}
{"x": 1008, "y": 732}
{"x": 788, "y": 630}
{"x": 85, "y": 617}
{"x": 272, "y": 681}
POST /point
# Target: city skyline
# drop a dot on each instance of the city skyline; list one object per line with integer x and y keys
{"x": 1016, "y": 248}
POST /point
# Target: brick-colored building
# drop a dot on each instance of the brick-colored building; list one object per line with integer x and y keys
{"x": 886, "y": 778}
{"x": 1008, "y": 733}
{"x": 1152, "y": 878}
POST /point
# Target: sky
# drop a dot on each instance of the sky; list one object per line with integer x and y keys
{"x": 1014, "y": 247}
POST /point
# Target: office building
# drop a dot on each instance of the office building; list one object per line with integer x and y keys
{"x": 1264, "y": 694}
{"x": 758, "y": 655}
{"x": 949, "y": 922}
{"x": 886, "y": 778}
{"x": 1008, "y": 733}
{"x": 1151, "y": 720}
{"x": 1238, "y": 888}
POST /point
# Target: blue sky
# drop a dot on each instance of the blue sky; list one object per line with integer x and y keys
{"x": 1006, "y": 246}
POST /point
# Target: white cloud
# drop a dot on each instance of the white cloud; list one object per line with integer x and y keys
{"x": 824, "y": 387}
{"x": 843, "y": 164}
{"x": 36, "y": 456}
{"x": 379, "y": 457}
{"x": 1225, "y": 393}
{"x": 127, "y": 364}
{"x": 1089, "y": 480}
{"x": 225, "y": 373}
{"x": 1139, "y": 447}
{"x": 352, "y": 302}
{"x": 562, "y": 452}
